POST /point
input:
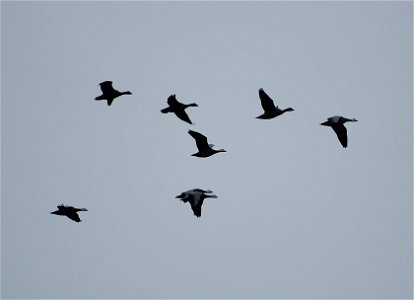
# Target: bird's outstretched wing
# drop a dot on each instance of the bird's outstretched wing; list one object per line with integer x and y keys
{"x": 73, "y": 216}
{"x": 182, "y": 115}
{"x": 166, "y": 110}
{"x": 341, "y": 133}
{"x": 201, "y": 140}
{"x": 172, "y": 101}
{"x": 196, "y": 207}
{"x": 267, "y": 102}
{"x": 106, "y": 87}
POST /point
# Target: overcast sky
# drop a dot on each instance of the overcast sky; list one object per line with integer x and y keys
{"x": 297, "y": 215}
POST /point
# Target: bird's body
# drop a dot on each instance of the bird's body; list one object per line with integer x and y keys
{"x": 196, "y": 198}
{"x": 178, "y": 108}
{"x": 270, "y": 110}
{"x": 69, "y": 211}
{"x": 109, "y": 93}
{"x": 204, "y": 149}
{"x": 337, "y": 124}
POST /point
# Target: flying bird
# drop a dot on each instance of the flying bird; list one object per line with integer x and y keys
{"x": 270, "y": 110}
{"x": 204, "y": 148}
{"x": 178, "y": 108}
{"x": 337, "y": 124}
{"x": 109, "y": 93}
{"x": 196, "y": 198}
{"x": 69, "y": 211}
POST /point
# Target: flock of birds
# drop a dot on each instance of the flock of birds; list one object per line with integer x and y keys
{"x": 196, "y": 196}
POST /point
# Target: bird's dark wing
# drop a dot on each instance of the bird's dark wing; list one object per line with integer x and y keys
{"x": 106, "y": 87}
{"x": 181, "y": 114}
{"x": 166, "y": 110}
{"x": 201, "y": 140}
{"x": 73, "y": 216}
{"x": 109, "y": 101}
{"x": 341, "y": 133}
{"x": 196, "y": 207}
{"x": 172, "y": 101}
{"x": 267, "y": 102}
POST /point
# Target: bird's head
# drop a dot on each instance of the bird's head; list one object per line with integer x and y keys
{"x": 210, "y": 196}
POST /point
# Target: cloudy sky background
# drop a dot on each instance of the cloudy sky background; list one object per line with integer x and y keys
{"x": 297, "y": 216}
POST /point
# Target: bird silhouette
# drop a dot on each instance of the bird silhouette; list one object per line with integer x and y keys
{"x": 204, "y": 148}
{"x": 178, "y": 108}
{"x": 196, "y": 198}
{"x": 109, "y": 93}
{"x": 69, "y": 211}
{"x": 337, "y": 124}
{"x": 270, "y": 110}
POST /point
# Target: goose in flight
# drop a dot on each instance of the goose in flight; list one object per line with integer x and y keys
{"x": 337, "y": 124}
{"x": 178, "y": 108}
{"x": 196, "y": 198}
{"x": 109, "y": 93}
{"x": 270, "y": 110}
{"x": 69, "y": 211}
{"x": 204, "y": 148}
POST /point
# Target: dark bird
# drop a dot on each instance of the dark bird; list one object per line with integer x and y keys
{"x": 196, "y": 198}
{"x": 270, "y": 110}
{"x": 337, "y": 124}
{"x": 109, "y": 93}
{"x": 204, "y": 148}
{"x": 178, "y": 108}
{"x": 69, "y": 211}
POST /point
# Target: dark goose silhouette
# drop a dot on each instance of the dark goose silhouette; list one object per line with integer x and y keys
{"x": 270, "y": 110}
{"x": 196, "y": 198}
{"x": 69, "y": 211}
{"x": 337, "y": 124}
{"x": 178, "y": 108}
{"x": 109, "y": 93}
{"x": 204, "y": 148}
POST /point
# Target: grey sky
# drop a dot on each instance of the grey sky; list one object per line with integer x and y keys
{"x": 297, "y": 216}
